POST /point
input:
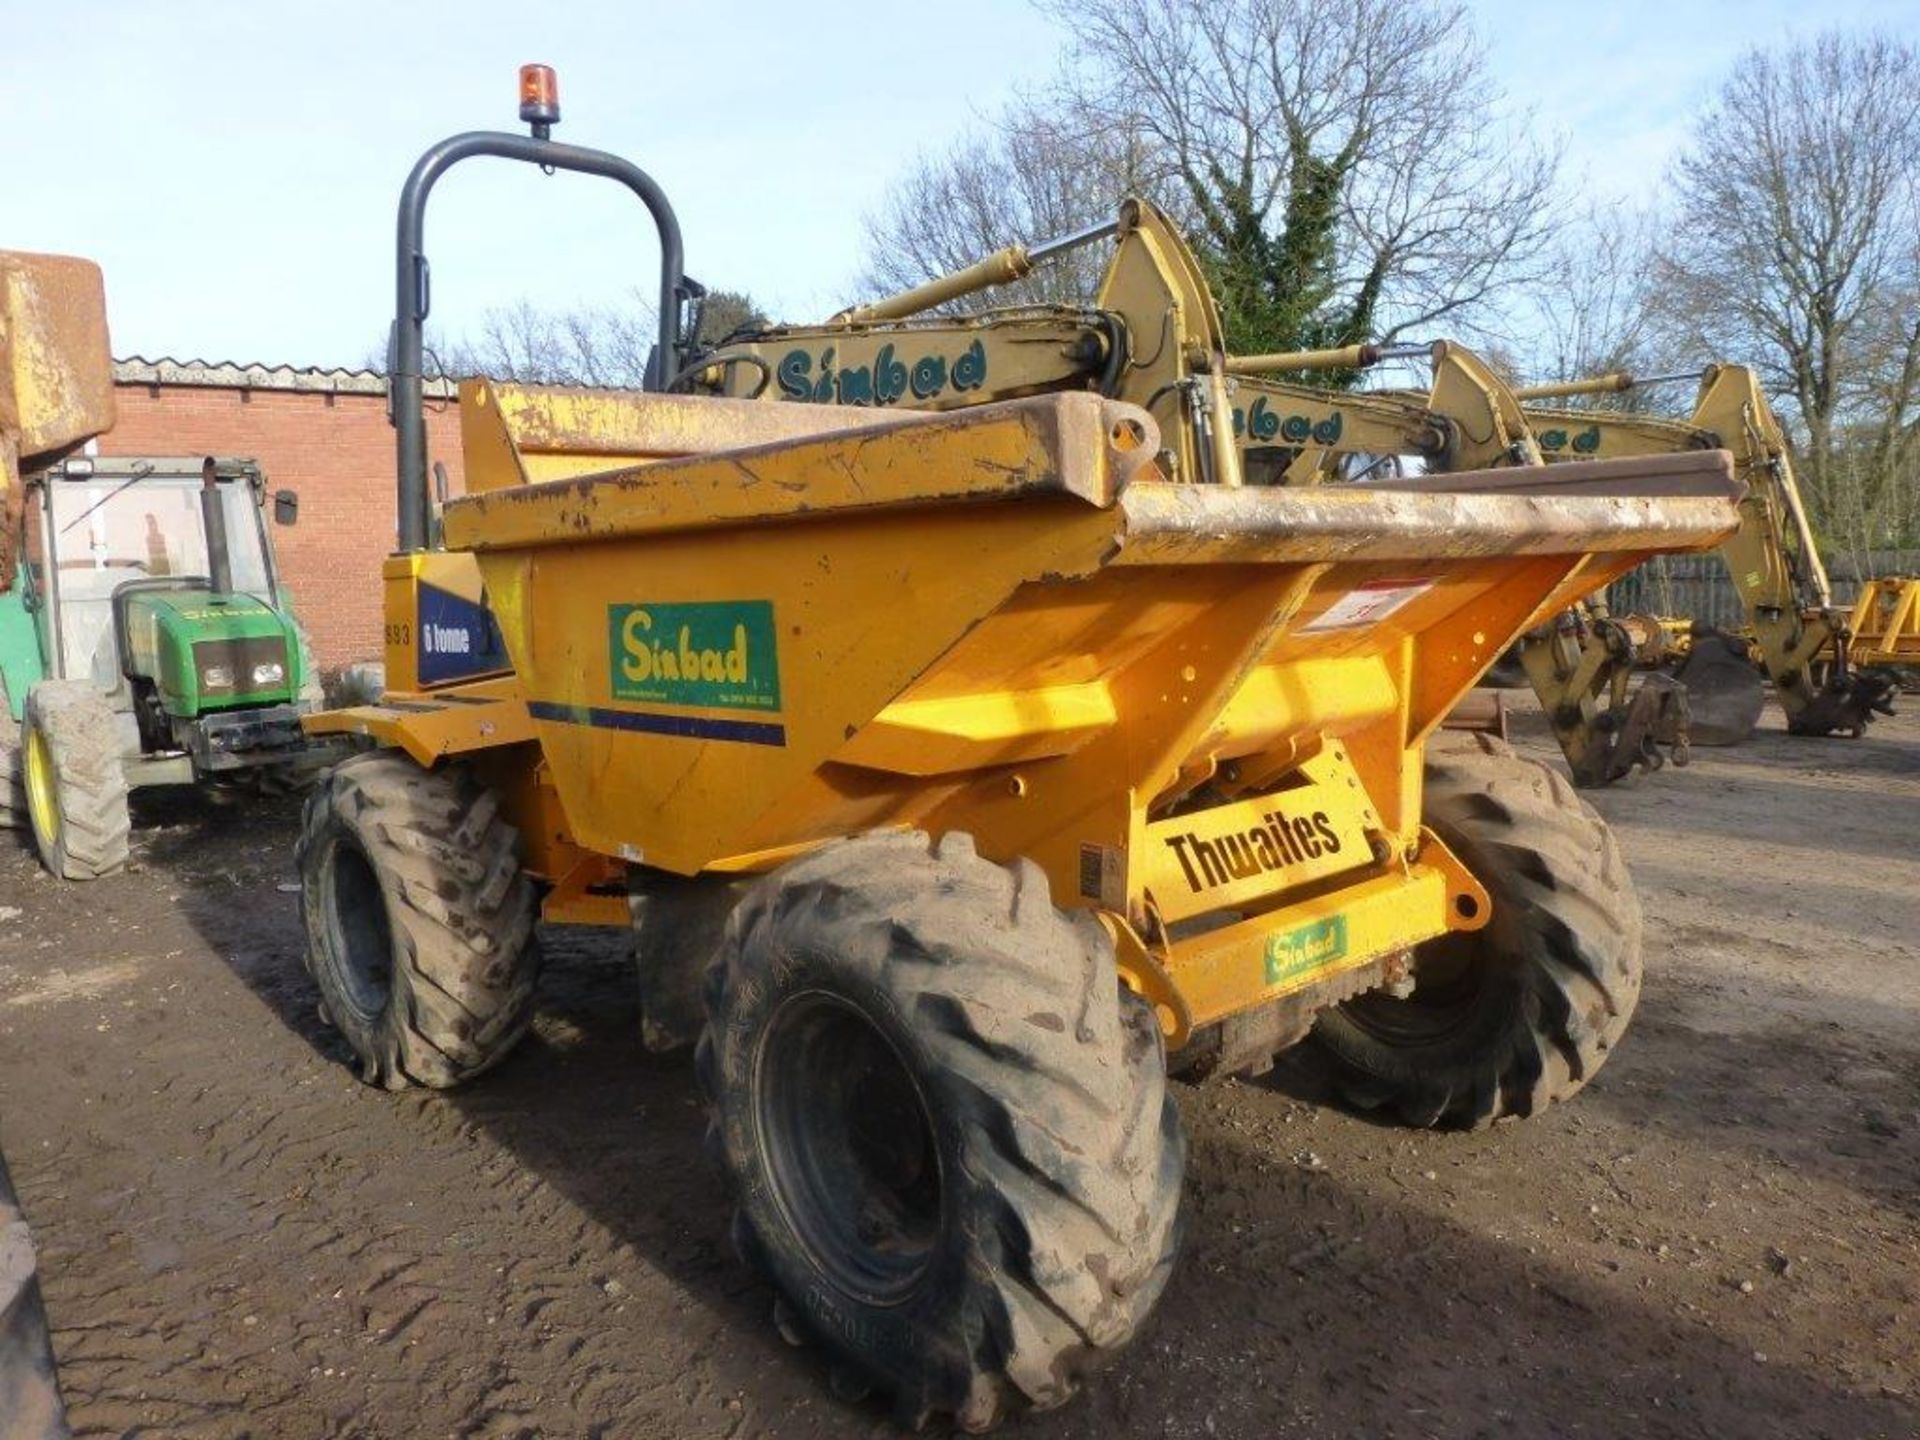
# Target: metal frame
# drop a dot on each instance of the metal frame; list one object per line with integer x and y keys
{"x": 47, "y": 597}
{"x": 412, "y": 291}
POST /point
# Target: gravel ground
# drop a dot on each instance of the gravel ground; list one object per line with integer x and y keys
{"x": 1718, "y": 1238}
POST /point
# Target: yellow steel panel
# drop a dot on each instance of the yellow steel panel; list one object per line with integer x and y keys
{"x": 1300, "y": 945}
{"x": 426, "y": 645}
{"x": 56, "y": 371}
{"x": 573, "y": 907}
{"x": 560, "y": 433}
{"x": 1043, "y": 446}
{"x": 840, "y": 639}
{"x": 429, "y": 730}
{"x": 1329, "y": 697}
{"x": 1169, "y": 524}
{"x": 968, "y": 732}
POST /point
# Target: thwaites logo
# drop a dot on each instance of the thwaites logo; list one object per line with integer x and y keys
{"x": 887, "y": 381}
{"x": 1281, "y": 841}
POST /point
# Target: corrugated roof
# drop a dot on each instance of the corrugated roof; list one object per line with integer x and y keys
{"x": 229, "y": 375}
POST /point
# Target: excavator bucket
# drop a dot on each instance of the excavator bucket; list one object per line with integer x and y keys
{"x": 1724, "y": 690}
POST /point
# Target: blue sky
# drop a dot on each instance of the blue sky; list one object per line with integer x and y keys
{"x": 234, "y": 166}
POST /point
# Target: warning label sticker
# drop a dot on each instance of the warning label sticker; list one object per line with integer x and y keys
{"x": 1367, "y": 604}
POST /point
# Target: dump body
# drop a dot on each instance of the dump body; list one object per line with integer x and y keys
{"x": 56, "y": 375}
{"x": 1199, "y": 709}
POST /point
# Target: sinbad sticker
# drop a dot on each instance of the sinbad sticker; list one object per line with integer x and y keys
{"x": 718, "y": 654}
{"x": 1294, "y": 953}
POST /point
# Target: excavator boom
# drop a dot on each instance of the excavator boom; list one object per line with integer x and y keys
{"x": 1151, "y": 337}
{"x": 1801, "y": 639}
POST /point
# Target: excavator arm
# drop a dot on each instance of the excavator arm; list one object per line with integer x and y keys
{"x": 1152, "y": 337}
{"x": 1802, "y": 640}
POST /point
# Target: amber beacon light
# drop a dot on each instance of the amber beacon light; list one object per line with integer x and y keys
{"x": 539, "y": 98}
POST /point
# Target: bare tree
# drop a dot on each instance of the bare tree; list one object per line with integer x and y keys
{"x": 1594, "y": 309}
{"x": 1795, "y": 242}
{"x": 1342, "y": 165}
{"x": 606, "y": 347}
{"x": 1032, "y": 175}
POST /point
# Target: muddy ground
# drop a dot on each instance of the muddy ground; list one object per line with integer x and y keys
{"x": 1720, "y": 1237}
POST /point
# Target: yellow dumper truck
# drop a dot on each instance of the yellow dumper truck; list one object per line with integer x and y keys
{"x": 960, "y": 774}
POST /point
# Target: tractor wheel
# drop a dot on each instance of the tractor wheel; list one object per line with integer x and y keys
{"x": 13, "y": 779}
{"x": 76, "y": 788}
{"x": 1504, "y": 1020}
{"x": 946, "y": 1125}
{"x": 419, "y": 920}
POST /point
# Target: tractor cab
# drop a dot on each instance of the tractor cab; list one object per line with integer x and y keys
{"x": 148, "y": 642}
{"x": 126, "y": 542}
{"x": 154, "y": 580}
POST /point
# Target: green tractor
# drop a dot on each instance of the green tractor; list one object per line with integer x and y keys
{"x": 146, "y": 641}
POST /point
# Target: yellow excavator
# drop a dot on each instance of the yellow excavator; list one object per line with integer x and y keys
{"x": 1147, "y": 338}
{"x": 1801, "y": 639}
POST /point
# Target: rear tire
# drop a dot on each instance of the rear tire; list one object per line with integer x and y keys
{"x": 1525, "y": 1011}
{"x": 946, "y": 1124}
{"x": 75, "y": 784}
{"x": 419, "y": 920}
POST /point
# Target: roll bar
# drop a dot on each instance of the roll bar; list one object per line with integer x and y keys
{"x": 412, "y": 291}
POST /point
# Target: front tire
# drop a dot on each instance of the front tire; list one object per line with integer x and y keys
{"x": 419, "y": 920}
{"x": 76, "y": 787}
{"x": 1505, "y": 1020}
{"x": 946, "y": 1124}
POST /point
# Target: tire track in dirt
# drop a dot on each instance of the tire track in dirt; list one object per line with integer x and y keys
{"x": 241, "y": 1240}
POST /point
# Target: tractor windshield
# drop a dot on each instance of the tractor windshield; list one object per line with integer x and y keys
{"x": 106, "y": 530}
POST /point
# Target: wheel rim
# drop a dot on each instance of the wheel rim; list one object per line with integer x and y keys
{"x": 358, "y": 931}
{"x": 849, "y": 1144}
{"x": 1449, "y": 980}
{"x": 43, "y": 802}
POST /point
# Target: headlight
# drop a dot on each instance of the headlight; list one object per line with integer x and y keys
{"x": 271, "y": 673}
{"x": 217, "y": 677}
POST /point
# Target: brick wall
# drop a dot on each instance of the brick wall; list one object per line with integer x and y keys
{"x": 335, "y": 450}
